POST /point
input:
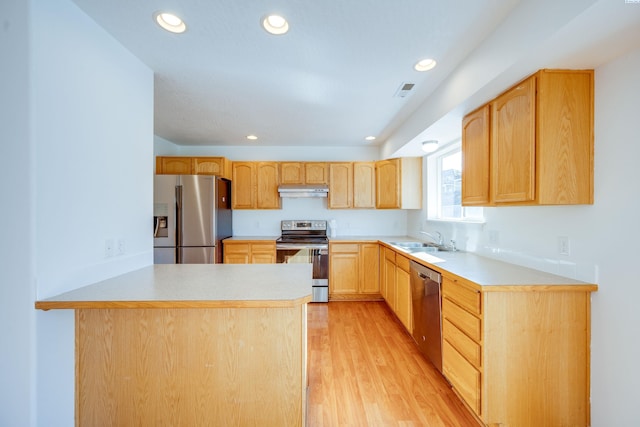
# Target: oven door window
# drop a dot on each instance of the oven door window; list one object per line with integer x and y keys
{"x": 318, "y": 257}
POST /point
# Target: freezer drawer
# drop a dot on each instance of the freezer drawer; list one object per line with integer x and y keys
{"x": 197, "y": 255}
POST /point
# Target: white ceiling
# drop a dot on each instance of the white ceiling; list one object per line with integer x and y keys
{"x": 331, "y": 80}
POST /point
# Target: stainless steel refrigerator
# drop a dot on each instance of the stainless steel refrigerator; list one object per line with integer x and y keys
{"x": 191, "y": 216}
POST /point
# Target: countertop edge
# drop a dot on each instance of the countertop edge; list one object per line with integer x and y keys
{"x": 59, "y": 305}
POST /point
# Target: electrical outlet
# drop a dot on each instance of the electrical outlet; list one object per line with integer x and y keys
{"x": 108, "y": 248}
{"x": 494, "y": 237}
{"x": 564, "y": 245}
{"x": 121, "y": 249}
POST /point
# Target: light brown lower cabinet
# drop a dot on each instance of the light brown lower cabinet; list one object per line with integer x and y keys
{"x": 518, "y": 356}
{"x": 353, "y": 271}
{"x": 395, "y": 285}
{"x": 249, "y": 252}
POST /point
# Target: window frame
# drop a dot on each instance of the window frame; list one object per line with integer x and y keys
{"x": 434, "y": 188}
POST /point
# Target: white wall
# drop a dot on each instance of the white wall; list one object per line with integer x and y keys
{"x": 603, "y": 237}
{"x": 92, "y": 123}
{"x": 17, "y": 284}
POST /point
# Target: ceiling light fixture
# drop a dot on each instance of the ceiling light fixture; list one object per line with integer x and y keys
{"x": 430, "y": 146}
{"x": 252, "y": 137}
{"x": 275, "y": 24}
{"x": 370, "y": 138}
{"x": 170, "y": 22}
{"x": 425, "y": 64}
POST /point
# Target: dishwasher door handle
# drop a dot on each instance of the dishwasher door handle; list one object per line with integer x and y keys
{"x": 423, "y": 276}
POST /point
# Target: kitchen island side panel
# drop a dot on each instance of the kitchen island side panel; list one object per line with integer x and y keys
{"x": 192, "y": 366}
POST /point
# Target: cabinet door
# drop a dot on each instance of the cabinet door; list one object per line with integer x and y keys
{"x": 267, "y": 196}
{"x": 236, "y": 252}
{"x": 390, "y": 279}
{"x": 388, "y": 184}
{"x": 174, "y": 165}
{"x": 345, "y": 272}
{"x": 263, "y": 253}
{"x": 340, "y": 185}
{"x": 403, "y": 297}
{"x": 208, "y": 166}
{"x": 364, "y": 185}
{"x": 316, "y": 173}
{"x": 291, "y": 173}
{"x": 244, "y": 185}
{"x": 475, "y": 157}
{"x": 513, "y": 144}
{"x": 369, "y": 268}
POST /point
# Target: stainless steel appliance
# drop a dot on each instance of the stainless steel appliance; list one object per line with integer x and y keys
{"x": 427, "y": 307}
{"x": 191, "y": 216}
{"x": 306, "y": 241}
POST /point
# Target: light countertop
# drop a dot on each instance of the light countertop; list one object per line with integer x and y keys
{"x": 247, "y": 238}
{"x": 194, "y": 286}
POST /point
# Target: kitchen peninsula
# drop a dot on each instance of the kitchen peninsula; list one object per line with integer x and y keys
{"x": 192, "y": 345}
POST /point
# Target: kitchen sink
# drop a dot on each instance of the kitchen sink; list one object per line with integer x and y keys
{"x": 417, "y": 246}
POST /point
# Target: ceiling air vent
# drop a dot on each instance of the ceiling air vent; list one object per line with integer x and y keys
{"x": 404, "y": 90}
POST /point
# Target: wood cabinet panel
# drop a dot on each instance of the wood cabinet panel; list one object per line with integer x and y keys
{"x": 244, "y": 185}
{"x": 513, "y": 141}
{"x": 476, "y": 159}
{"x": 465, "y": 321}
{"x": 291, "y": 173}
{"x": 174, "y": 166}
{"x": 340, "y": 185}
{"x": 316, "y": 173}
{"x": 464, "y": 377}
{"x": 249, "y": 252}
{"x": 399, "y": 183}
{"x": 540, "y": 143}
{"x": 218, "y": 166}
{"x": 364, "y": 185}
{"x": 267, "y": 179}
{"x": 464, "y": 295}
{"x": 354, "y": 271}
{"x": 403, "y": 297}
{"x": 467, "y": 347}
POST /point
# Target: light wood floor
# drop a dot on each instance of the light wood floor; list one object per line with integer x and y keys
{"x": 364, "y": 370}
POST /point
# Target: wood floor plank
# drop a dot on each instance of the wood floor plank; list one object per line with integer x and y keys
{"x": 365, "y": 370}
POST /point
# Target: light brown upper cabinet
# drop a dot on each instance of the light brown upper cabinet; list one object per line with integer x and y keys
{"x": 304, "y": 173}
{"x": 174, "y": 166}
{"x": 316, "y": 173}
{"x": 255, "y": 185}
{"x": 340, "y": 185}
{"x": 540, "y": 143}
{"x": 218, "y": 166}
{"x": 352, "y": 185}
{"x": 475, "y": 162}
{"x": 399, "y": 183}
{"x": 186, "y": 165}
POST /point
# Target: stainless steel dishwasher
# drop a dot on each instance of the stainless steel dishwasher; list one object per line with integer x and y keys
{"x": 427, "y": 319}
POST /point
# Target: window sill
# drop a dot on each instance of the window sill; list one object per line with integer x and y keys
{"x": 458, "y": 221}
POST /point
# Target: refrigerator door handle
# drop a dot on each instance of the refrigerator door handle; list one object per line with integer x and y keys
{"x": 179, "y": 224}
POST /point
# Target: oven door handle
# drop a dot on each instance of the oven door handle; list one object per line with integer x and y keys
{"x": 286, "y": 246}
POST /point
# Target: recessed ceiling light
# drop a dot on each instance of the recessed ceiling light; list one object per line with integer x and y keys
{"x": 275, "y": 24}
{"x": 425, "y": 64}
{"x": 252, "y": 137}
{"x": 370, "y": 138}
{"x": 170, "y": 22}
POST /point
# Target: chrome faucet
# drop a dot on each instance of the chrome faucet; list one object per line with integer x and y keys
{"x": 438, "y": 240}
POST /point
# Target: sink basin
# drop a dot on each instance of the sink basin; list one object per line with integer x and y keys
{"x": 413, "y": 247}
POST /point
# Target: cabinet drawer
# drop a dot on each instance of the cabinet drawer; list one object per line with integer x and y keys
{"x": 464, "y": 296}
{"x": 466, "y": 322}
{"x": 345, "y": 248}
{"x": 390, "y": 254}
{"x": 263, "y": 247}
{"x": 236, "y": 248}
{"x": 465, "y": 345}
{"x": 402, "y": 262}
{"x": 462, "y": 375}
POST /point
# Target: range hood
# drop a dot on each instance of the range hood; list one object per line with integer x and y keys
{"x": 303, "y": 190}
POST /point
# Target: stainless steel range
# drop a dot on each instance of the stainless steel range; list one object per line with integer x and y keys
{"x": 305, "y": 241}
